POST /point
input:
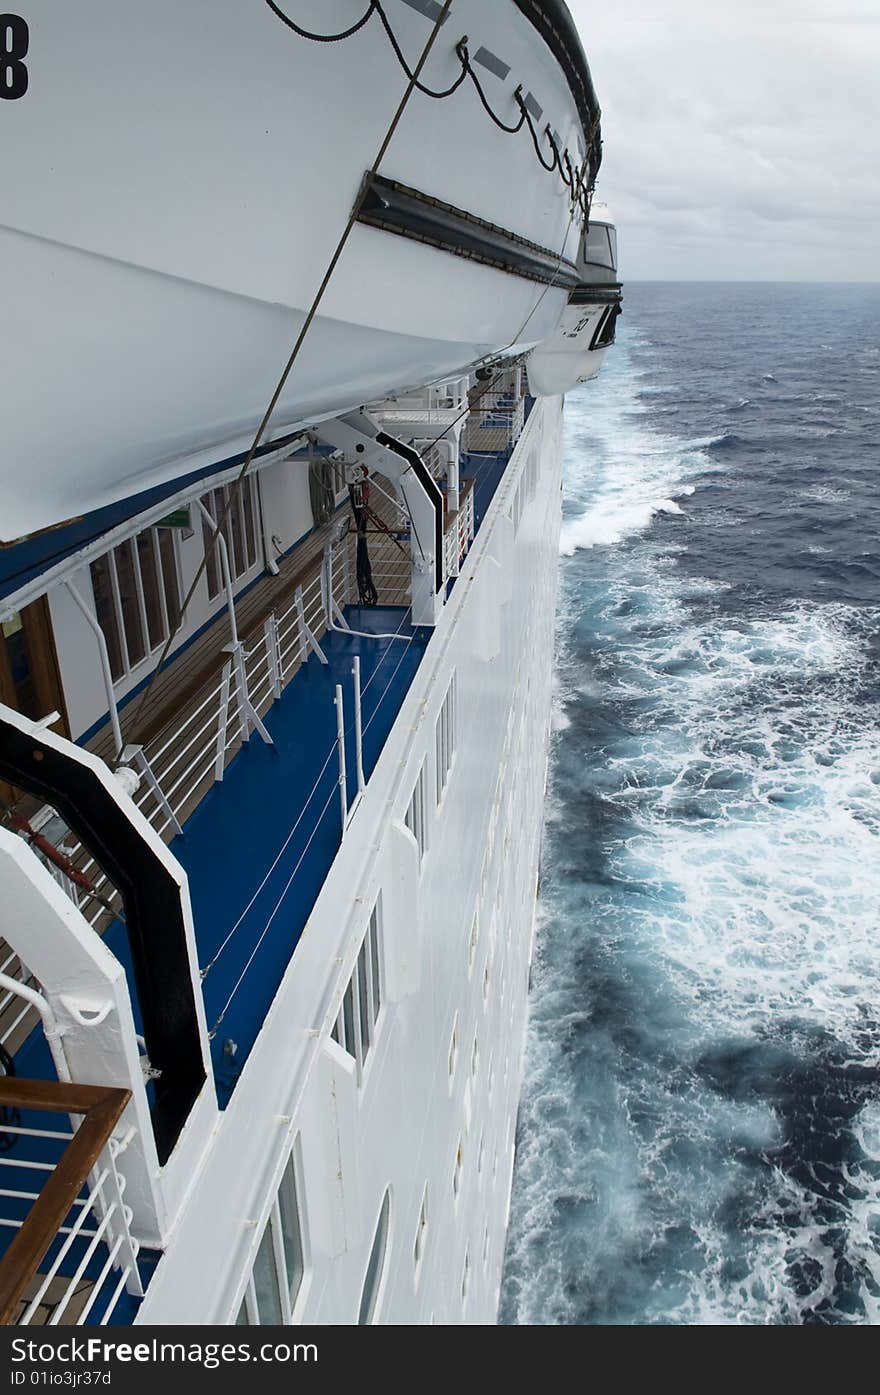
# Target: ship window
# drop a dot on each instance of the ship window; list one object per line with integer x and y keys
{"x": 291, "y": 1231}
{"x": 416, "y": 818}
{"x": 242, "y": 511}
{"x": 445, "y": 739}
{"x": 421, "y": 1231}
{"x": 137, "y": 597}
{"x": 355, "y": 1026}
{"x": 375, "y": 1265}
{"x": 266, "y": 1285}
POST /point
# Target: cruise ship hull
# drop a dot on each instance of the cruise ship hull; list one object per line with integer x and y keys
{"x": 431, "y": 1118}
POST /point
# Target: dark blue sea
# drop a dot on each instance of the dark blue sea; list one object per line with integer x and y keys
{"x": 699, "y": 1132}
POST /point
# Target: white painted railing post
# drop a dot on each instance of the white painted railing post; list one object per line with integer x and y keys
{"x": 340, "y": 732}
{"x": 135, "y": 754}
{"x": 348, "y": 592}
{"x": 307, "y": 638}
{"x": 358, "y": 730}
{"x": 223, "y": 721}
{"x": 247, "y": 711}
{"x": 92, "y": 622}
{"x": 273, "y": 653}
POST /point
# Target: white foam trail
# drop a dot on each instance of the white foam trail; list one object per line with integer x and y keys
{"x": 622, "y": 476}
{"x": 739, "y": 907}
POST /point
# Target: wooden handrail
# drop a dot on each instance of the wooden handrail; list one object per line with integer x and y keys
{"x": 101, "y": 1108}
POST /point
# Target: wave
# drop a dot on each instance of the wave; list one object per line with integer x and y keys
{"x": 629, "y": 475}
{"x": 699, "y": 1133}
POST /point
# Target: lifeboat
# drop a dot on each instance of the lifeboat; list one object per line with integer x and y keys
{"x": 188, "y": 184}
{"x": 573, "y": 353}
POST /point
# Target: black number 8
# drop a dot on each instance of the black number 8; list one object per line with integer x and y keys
{"x": 14, "y": 41}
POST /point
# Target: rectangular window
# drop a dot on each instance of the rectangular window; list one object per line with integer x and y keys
{"x": 266, "y": 1284}
{"x": 355, "y": 1026}
{"x": 278, "y": 1269}
{"x": 240, "y": 528}
{"x": 416, "y": 818}
{"x": 137, "y": 597}
{"x": 445, "y": 738}
{"x": 291, "y": 1231}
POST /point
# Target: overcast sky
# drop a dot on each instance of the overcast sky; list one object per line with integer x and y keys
{"x": 741, "y": 139}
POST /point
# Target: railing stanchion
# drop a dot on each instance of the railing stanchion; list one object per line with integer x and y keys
{"x": 358, "y": 732}
{"x": 135, "y": 755}
{"x": 223, "y": 720}
{"x": 340, "y": 731}
{"x": 307, "y": 638}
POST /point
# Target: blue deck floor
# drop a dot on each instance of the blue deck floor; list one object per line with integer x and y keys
{"x": 259, "y": 846}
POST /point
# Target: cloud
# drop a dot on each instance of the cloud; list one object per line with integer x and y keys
{"x": 740, "y": 141}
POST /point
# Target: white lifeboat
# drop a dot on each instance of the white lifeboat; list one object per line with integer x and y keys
{"x": 174, "y": 208}
{"x": 573, "y": 353}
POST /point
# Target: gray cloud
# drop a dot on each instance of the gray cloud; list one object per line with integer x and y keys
{"x": 740, "y": 140}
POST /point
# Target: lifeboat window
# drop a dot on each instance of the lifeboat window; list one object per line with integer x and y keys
{"x": 445, "y": 738}
{"x": 137, "y": 597}
{"x": 599, "y": 249}
{"x": 375, "y": 1265}
{"x": 416, "y": 818}
{"x": 605, "y": 329}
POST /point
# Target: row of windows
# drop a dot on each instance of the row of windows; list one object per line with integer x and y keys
{"x": 136, "y": 586}
{"x": 137, "y": 597}
{"x": 416, "y": 816}
{"x": 355, "y": 1027}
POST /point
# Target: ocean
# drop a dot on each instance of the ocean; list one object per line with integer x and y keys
{"x": 699, "y": 1132}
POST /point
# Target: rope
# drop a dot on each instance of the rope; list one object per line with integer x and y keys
{"x": 467, "y": 70}
{"x": 323, "y": 38}
{"x": 235, "y": 491}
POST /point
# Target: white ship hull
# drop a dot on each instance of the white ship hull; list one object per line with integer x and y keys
{"x": 145, "y": 333}
{"x": 402, "y": 1127}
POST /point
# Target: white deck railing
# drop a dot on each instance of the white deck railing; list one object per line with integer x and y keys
{"x": 190, "y": 754}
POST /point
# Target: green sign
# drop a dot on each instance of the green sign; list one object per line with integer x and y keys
{"x": 179, "y": 518}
